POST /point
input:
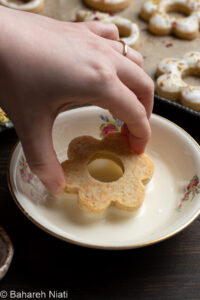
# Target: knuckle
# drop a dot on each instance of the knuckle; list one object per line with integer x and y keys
{"x": 149, "y": 86}
{"x": 104, "y": 75}
{"x": 142, "y": 114}
{"x": 96, "y": 45}
{"x": 88, "y": 25}
{"x": 114, "y": 29}
{"x": 84, "y": 27}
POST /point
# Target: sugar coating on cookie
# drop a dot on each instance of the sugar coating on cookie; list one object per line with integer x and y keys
{"x": 108, "y": 5}
{"x": 170, "y": 83}
{"x": 156, "y": 12}
{"x": 31, "y": 5}
{"x": 128, "y": 30}
{"x": 94, "y": 196}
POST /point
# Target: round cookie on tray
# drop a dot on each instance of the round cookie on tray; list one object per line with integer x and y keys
{"x": 108, "y": 5}
{"x": 31, "y": 5}
{"x": 128, "y": 30}
{"x": 170, "y": 83}
{"x": 156, "y": 12}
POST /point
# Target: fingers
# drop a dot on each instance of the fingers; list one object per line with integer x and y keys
{"x": 137, "y": 81}
{"x": 111, "y": 34}
{"x": 136, "y": 144}
{"x": 124, "y": 105}
{"x": 105, "y": 30}
{"x": 38, "y": 148}
{"x": 132, "y": 54}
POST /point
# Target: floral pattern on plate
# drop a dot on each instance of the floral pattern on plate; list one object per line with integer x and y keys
{"x": 109, "y": 125}
{"x": 35, "y": 188}
{"x": 191, "y": 191}
{"x": 25, "y": 172}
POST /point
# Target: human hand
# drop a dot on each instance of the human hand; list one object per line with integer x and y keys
{"x": 47, "y": 65}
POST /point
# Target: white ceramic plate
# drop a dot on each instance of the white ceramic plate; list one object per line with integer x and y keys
{"x": 172, "y": 198}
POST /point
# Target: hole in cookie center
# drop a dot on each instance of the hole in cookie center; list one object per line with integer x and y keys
{"x": 123, "y": 31}
{"x": 105, "y": 167}
{"x": 192, "y": 77}
{"x": 178, "y": 11}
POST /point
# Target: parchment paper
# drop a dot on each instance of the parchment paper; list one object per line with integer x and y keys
{"x": 152, "y": 47}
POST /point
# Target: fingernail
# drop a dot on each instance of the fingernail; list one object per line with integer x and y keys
{"x": 136, "y": 145}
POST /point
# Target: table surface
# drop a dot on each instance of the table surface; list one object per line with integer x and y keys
{"x": 168, "y": 270}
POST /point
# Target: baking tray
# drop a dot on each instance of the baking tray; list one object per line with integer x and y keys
{"x": 151, "y": 47}
{"x": 162, "y": 104}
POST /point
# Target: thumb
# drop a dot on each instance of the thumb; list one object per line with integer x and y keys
{"x": 36, "y": 139}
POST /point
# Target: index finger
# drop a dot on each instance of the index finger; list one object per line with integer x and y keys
{"x": 135, "y": 78}
{"x": 123, "y": 104}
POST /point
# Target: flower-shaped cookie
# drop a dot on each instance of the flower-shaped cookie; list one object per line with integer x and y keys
{"x": 162, "y": 23}
{"x": 30, "y": 5}
{"x": 95, "y": 196}
{"x": 128, "y": 31}
{"x": 171, "y": 85}
{"x": 108, "y": 5}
